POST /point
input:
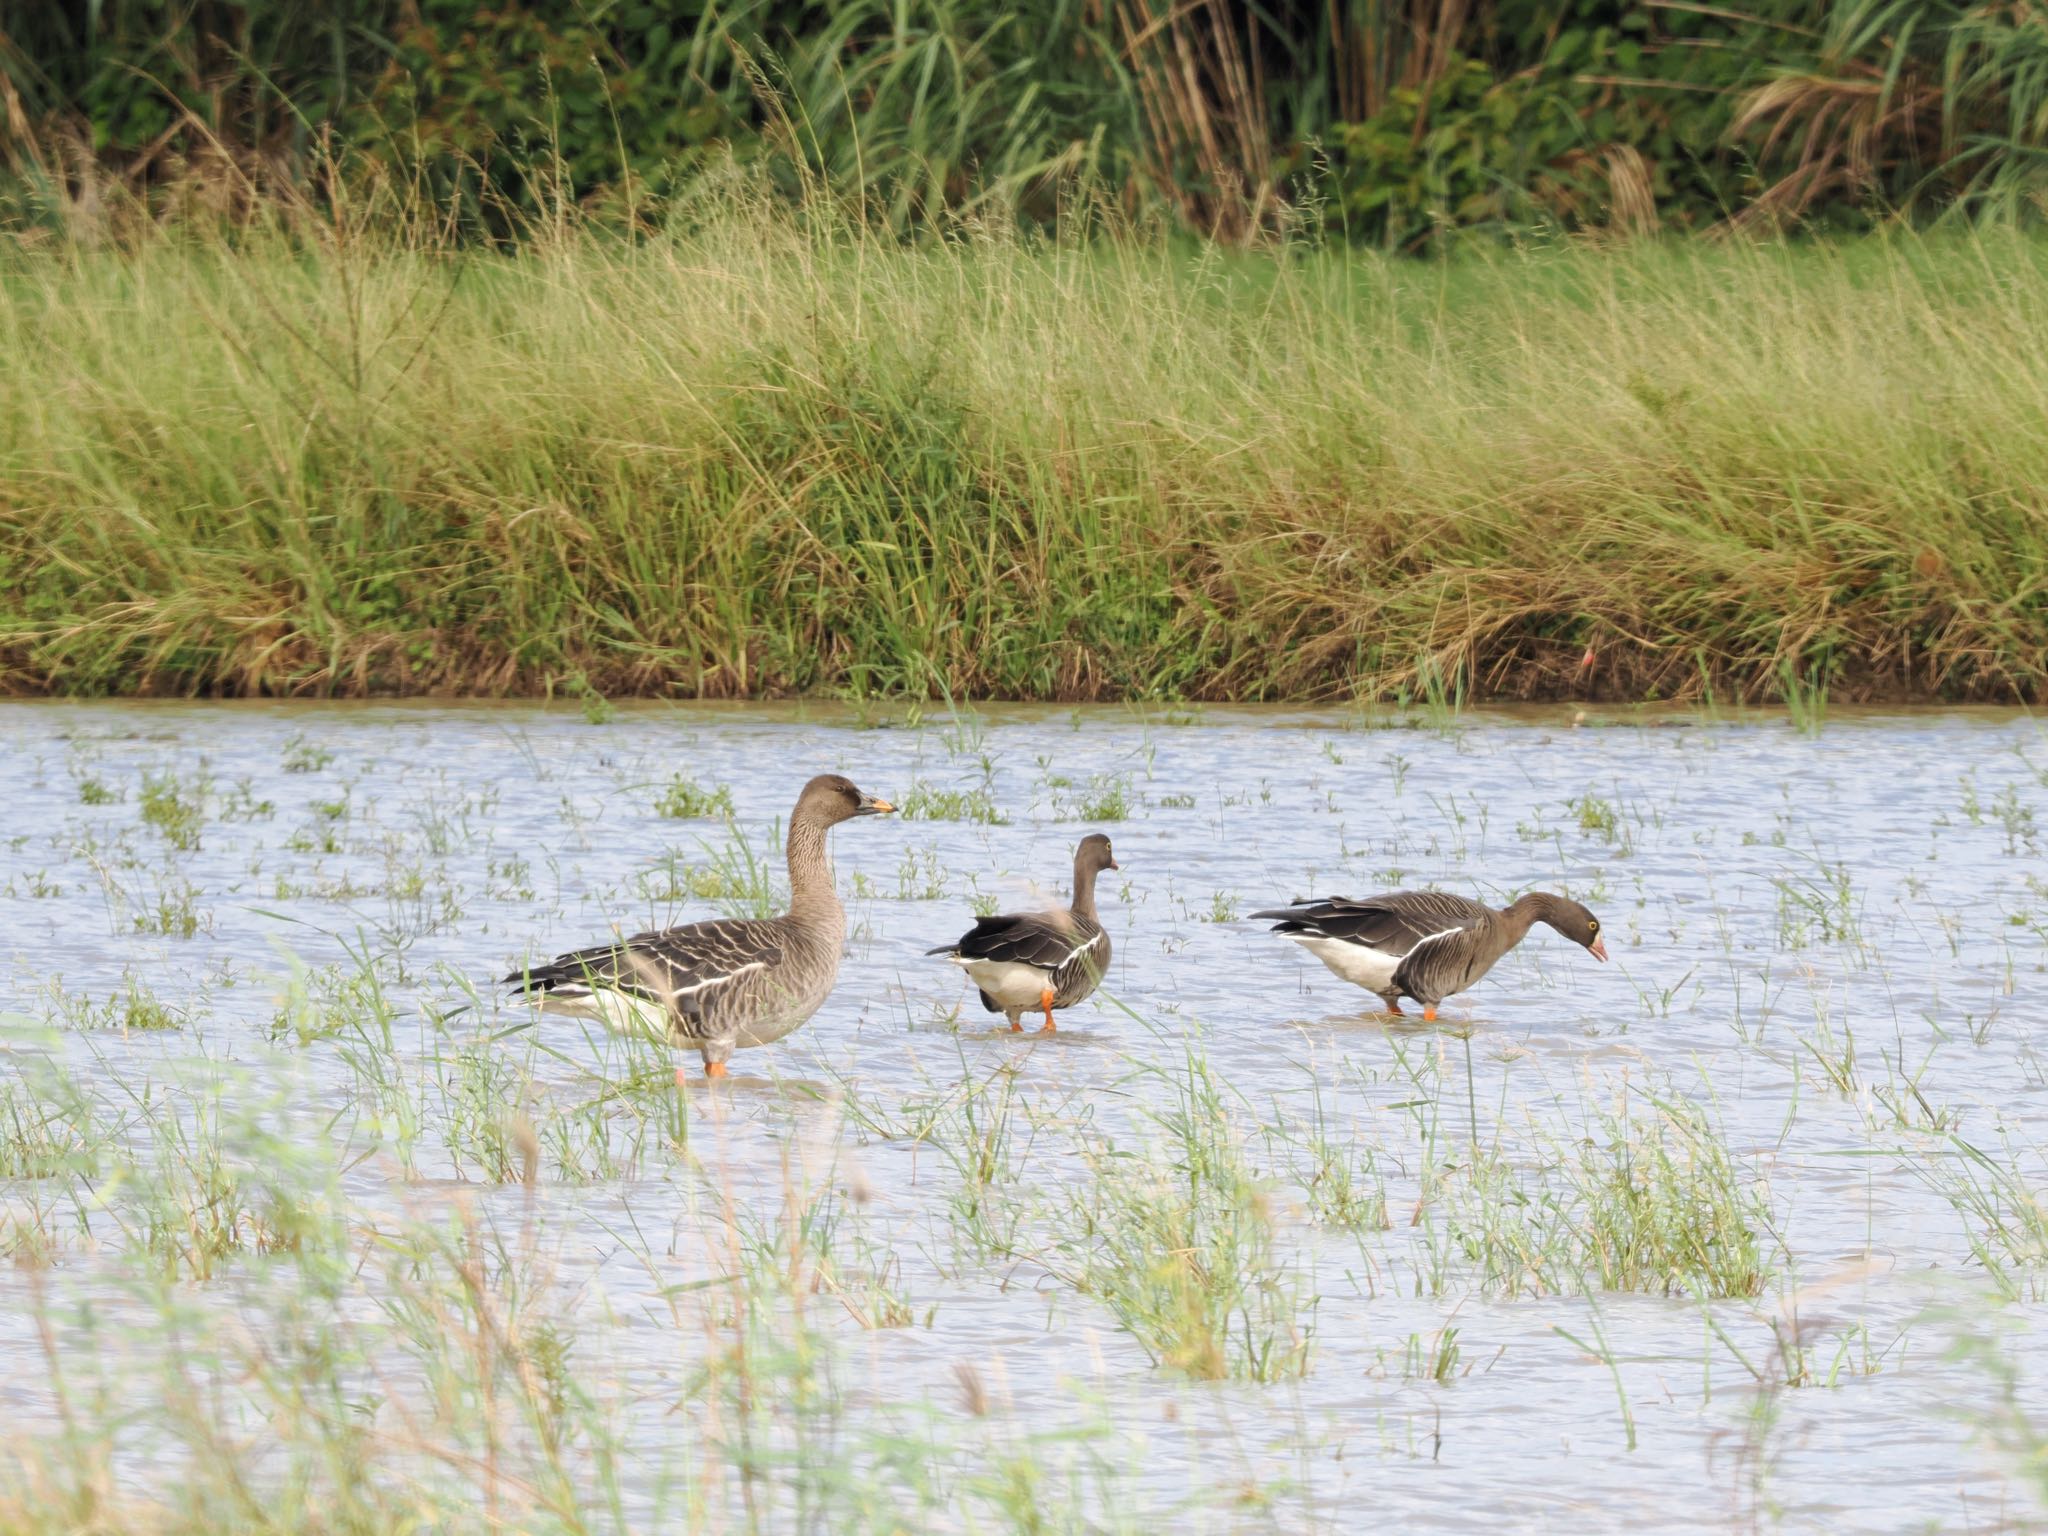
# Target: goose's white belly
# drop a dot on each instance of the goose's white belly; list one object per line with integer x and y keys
{"x": 1362, "y": 967}
{"x": 620, "y": 1012}
{"x": 1011, "y": 983}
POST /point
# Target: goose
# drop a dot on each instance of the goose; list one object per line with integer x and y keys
{"x": 1424, "y": 944}
{"x": 1040, "y": 960}
{"x": 730, "y": 983}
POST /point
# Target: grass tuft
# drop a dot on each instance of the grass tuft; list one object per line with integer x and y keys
{"x": 685, "y": 801}
{"x": 1176, "y": 1238}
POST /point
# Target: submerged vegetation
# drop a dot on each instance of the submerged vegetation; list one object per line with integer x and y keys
{"x": 768, "y": 453}
{"x": 306, "y": 1230}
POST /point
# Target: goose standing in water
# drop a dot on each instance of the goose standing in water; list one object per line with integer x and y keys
{"x": 1023, "y": 961}
{"x": 734, "y": 982}
{"x": 1424, "y": 944}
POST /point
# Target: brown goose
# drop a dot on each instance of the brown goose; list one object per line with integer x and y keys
{"x": 734, "y": 982}
{"x": 1424, "y": 944}
{"x": 1042, "y": 960}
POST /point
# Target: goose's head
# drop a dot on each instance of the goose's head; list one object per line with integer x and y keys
{"x": 1578, "y": 925}
{"x": 1094, "y": 855}
{"x": 831, "y": 798}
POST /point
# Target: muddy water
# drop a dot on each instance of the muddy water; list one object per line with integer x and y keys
{"x": 1831, "y": 946}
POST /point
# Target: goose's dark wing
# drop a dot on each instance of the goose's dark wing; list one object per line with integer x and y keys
{"x": 1047, "y": 940}
{"x": 1448, "y": 962}
{"x": 683, "y": 968}
{"x": 1393, "y": 924}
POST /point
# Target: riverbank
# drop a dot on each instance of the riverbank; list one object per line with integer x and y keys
{"x": 755, "y": 460}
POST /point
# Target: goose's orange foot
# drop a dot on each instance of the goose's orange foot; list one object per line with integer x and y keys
{"x": 1045, "y": 1002}
{"x": 1429, "y": 1014}
{"x": 714, "y": 1069}
{"x": 1015, "y": 1027}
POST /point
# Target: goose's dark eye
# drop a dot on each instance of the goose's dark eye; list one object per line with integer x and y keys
{"x": 1594, "y": 925}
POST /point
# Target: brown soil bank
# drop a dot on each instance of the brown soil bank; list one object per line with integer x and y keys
{"x": 749, "y": 460}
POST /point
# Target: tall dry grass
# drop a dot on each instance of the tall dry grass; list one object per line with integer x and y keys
{"x": 767, "y": 453}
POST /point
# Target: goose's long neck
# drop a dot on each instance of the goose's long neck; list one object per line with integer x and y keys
{"x": 811, "y": 896}
{"x": 1523, "y": 914}
{"x": 1084, "y": 891}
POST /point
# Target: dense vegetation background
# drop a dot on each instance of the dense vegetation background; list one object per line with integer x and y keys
{"x": 1080, "y": 350}
{"x": 1388, "y": 120}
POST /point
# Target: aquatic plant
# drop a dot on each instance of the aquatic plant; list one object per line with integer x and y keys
{"x": 684, "y": 800}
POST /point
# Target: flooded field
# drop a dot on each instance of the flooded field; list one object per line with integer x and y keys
{"x": 309, "y": 1226}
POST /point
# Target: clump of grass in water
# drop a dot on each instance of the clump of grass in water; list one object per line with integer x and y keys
{"x": 173, "y": 809}
{"x": 324, "y": 1001}
{"x": 214, "y": 1189}
{"x": 1342, "y": 1181}
{"x": 487, "y": 1130}
{"x": 746, "y": 884}
{"x": 926, "y": 802}
{"x": 1666, "y": 1209}
{"x": 173, "y": 911}
{"x": 813, "y": 1246}
{"x": 687, "y": 801}
{"x": 2005, "y": 1212}
{"x": 1105, "y": 797}
{"x": 1597, "y": 817}
{"x": 973, "y": 1125}
{"x": 303, "y": 756}
{"x": 731, "y": 876}
{"x": 1637, "y": 1204}
{"x": 1434, "y": 1358}
{"x": 1822, "y": 904}
{"x": 1177, "y": 1240}
{"x": 135, "y": 1009}
{"x": 920, "y": 877}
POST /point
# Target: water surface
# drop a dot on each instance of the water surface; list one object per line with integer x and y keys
{"x": 1826, "y": 954}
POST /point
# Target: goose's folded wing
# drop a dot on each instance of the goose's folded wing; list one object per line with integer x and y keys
{"x": 1445, "y": 962}
{"x": 1047, "y": 940}
{"x": 683, "y": 968}
{"x": 1392, "y": 924}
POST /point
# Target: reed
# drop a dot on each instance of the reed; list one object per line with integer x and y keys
{"x": 770, "y": 454}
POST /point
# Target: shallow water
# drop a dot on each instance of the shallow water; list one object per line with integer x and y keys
{"x": 1828, "y": 946}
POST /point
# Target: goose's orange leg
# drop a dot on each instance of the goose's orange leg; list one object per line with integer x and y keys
{"x": 714, "y": 1069}
{"x": 1429, "y": 1013}
{"x": 1045, "y": 1002}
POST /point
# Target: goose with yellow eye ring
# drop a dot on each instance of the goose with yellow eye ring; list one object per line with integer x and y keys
{"x": 1425, "y": 945}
